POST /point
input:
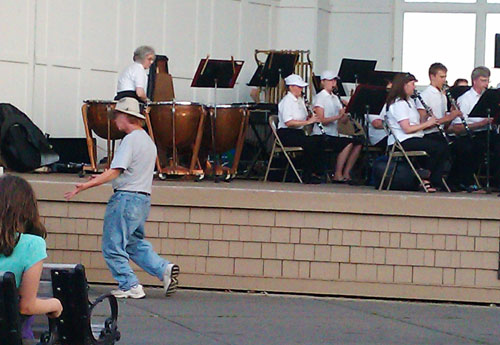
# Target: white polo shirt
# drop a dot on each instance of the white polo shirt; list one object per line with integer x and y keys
{"x": 291, "y": 108}
{"x": 399, "y": 111}
{"x": 331, "y": 106}
{"x": 466, "y": 103}
{"x": 132, "y": 77}
{"x": 438, "y": 103}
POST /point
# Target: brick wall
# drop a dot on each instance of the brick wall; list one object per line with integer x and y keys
{"x": 453, "y": 256}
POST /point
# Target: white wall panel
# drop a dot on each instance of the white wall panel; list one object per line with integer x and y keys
{"x": 126, "y": 33}
{"x": 371, "y": 40}
{"x": 64, "y": 32}
{"x": 149, "y": 22}
{"x": 180, "y": 37}
{"x": 14, "y": 84}
{"x": 296, "y": 28}
{"x": 15, "y": 29}
{"x": 40, "y": 98}
{"x": 100, "y": 33}
{"x": 98, "y": 85}
{"x": 63, "y": 116}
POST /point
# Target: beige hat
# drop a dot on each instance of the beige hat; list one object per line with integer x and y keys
{"x": 295, "y": 79}
{"x": 129, "y": 106}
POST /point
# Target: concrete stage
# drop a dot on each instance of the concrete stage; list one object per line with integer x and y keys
{"x": 315, "y": 239}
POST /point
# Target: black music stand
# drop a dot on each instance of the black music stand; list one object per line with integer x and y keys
{"x": 351, "y": 69}
{"x": 278, "y": 65}
{"x": 488, "y": 103}
{"x": 378, "y": 78}
{"x": 216, "y": 74}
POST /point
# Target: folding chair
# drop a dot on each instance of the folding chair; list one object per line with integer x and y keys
{"x": 278, "y": 147}
{"x": 398, "y": 151}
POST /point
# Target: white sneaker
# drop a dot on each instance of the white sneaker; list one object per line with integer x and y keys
{"x": 136, "y": 292}
{"x": 170, "y": 281}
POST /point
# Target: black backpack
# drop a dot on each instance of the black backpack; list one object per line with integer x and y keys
{"x": 23, "y": 146}
{"x": 404, "y": 178}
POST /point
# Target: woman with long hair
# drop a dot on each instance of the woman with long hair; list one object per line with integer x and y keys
{"x": 403, "y": 120}
{"x": 22, "y": 245}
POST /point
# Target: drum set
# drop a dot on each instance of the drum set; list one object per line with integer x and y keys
{"x": 189, "y": 137}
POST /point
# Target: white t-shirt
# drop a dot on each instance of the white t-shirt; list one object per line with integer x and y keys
{"x": 331, "y": 106}
{"x": 399, "y": 111}
{"x": 291, "y": 108}
{"x": 466, "y": 103}
{"x": 438, "y": 103}
{"x": 136, "y": 155}
{"x": 376, "y": 134}
{"x": 132, "y": 77}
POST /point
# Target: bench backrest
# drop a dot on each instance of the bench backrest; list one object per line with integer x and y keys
{"x": 10, "y": 323}
{"x": 68, "y": 285}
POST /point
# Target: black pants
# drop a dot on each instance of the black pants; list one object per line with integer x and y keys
{"x": 337, "y": 144}
{"x": 438, "y": 156}
{"x": 312, "y": 145}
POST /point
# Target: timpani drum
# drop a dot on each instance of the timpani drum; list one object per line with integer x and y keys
{"x": 97, "y": 118}
{"x": 231, "y": 122}
{"x": 176, "y": 128}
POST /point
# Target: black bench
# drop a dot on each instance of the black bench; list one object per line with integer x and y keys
{"x": 68, "y": 284}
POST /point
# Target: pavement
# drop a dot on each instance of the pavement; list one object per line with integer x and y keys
{"x": 209, "y": 317}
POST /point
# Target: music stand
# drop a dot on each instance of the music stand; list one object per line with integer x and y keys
{"x": 378, "y": 78}
{"x": 488, "y": 103}
{"x": 351, "y": 69}
{"x": 278, "y": 65}
{"x": 216, "y": 74}
{"x": 367, "y": 99}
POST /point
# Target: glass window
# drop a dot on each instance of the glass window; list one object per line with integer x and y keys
{"x": 492, "y": 28}
{"x": 452, "y": 43}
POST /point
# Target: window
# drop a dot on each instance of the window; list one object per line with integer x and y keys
{"x": 454, "y": 48}
{"x": 492, "y": 28}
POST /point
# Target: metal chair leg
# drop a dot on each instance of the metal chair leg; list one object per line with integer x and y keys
{"x": 270, "y": 161}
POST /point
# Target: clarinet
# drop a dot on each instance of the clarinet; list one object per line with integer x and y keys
{"x": 429, "y": 112}
{"x": 454, "y": 104}
{"x": 311, "y": 111}
{"x": 354, "y": 125}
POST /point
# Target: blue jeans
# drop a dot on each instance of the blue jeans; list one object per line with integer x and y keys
{"x": 123, "y": 239}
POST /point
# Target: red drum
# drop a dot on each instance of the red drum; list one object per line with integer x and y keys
{"x": 181, "y": 136}
{"x": 97, "y": 118}
{"x": 231, "y": 122}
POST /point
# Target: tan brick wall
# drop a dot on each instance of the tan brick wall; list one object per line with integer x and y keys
{"x": 347, "y": 254}
{"x": 265, "y": 237}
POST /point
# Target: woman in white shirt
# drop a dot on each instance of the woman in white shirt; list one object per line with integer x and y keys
{"x": 329, "y": 110}
{"x": 403, "y": 120}
{"x": 293, "y": 116}
{"x": 133, "y": 81}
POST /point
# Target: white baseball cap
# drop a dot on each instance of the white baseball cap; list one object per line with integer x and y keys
{"x": 328, "y": 75}
{"x": 130, "y": 106}
{"x": 295, "y": 79}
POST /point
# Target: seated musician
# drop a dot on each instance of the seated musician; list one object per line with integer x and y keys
{"x": 473, "y": 143}
{"x": 293, "y": 116}
{"x": 435, "y": 99}
{"x": 133, "y": 81}
{"x": 329, "y": 109}
{"x": 403, "y": 120}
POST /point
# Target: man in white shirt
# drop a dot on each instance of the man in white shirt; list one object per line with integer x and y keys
{"x": 472, "y": 150}
{"x": 435, "y": 99}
